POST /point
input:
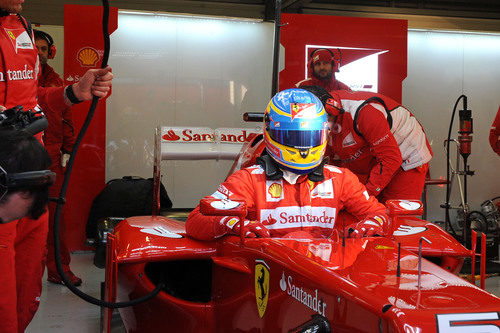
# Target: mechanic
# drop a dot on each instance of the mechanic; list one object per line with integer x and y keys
{"x": 291, "y": 189}
{"x": 23, "y": 241}
{"x": 379, "y": 140}
{"x": 495, "y": 134}
{"x": 58, "y": 139}
{"x": 323, "y": 67}
{"x": 46, "y": 50}
{"x": 21, "y": 152}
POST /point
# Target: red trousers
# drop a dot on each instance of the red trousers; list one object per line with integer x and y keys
{"x": 65, "y": 257}
{"x": 22, "y": 254}
{"x": 405, "y": 185}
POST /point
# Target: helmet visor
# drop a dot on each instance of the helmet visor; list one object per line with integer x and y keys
{"x": 298, "y": 138}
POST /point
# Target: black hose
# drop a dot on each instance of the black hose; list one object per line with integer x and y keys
{"x": 57, "y": 216}
{"x": 447, "y": 204}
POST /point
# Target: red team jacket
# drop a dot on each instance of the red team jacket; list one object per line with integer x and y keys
{"x": 495, "y": 134}
{"x": 49, "y": 78}
{"x": 19, "y": 69}
{"x": 60, "y": 135}
{"x": 284, "y": 208}
{"x": 329, "y": 85}
{"x": 22, "y": 243}
{"x": 374, "y": 142}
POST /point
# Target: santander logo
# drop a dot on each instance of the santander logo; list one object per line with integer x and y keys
{"x": 171, "y": 136}
{"x": 226, "y": 135}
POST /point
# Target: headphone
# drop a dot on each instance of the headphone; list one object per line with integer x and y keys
{"x": 27, "y": 179}
{"x": 50, "y": 42}
{"x": 335, "y": 64}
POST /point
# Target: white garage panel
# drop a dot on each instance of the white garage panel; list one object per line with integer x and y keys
{"x": 182, "y": 71}
{"x": 441, "y": 67}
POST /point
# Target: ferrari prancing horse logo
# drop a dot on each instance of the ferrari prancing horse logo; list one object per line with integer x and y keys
{"x": 261, "y": 286}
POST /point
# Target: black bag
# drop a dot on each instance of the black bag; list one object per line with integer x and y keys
{"x": 125, "y": 197}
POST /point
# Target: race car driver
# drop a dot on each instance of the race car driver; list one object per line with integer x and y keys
{"x": 379, "y": 140}
{"x": 291, "y": 189}
{"x": 495, "y": 134}
{"x": 23, "y": 242}
{"x": 323, "y": 66}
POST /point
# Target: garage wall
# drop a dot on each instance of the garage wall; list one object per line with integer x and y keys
{"x": 182, "y": 71}
{"x": 441, "y": 67}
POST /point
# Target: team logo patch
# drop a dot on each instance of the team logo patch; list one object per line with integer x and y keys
{"x": 88, "y": 57}
{"x": 19, "y": 39}
{"x": 348, "y": 141}
{"x": 274, "y": 190}
{"x": 222, "y": 189}
{"x": 161, "y": 231}
{"x": 261, "y": 286}
{"x": 323, "y": 190}
{"x": 298, "y": 217}
{"x": 406, "y": 230}
{"x": 299, "y": 110}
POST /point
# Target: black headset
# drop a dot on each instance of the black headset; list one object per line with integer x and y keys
{"x": 50, "y": 42}
{"x": 24, "y": 180}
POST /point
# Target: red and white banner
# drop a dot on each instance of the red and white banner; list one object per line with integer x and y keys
{"x": 205, "y": 134}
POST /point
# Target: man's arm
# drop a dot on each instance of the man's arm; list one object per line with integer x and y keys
{"x": 495, "y": 134}
{"x": 355, "y": 198}
{"x": 374, "y": 127}
{"x": 238, "y": 186}
{"x": 370, "y": 213}
{"x": 95, "y": 82}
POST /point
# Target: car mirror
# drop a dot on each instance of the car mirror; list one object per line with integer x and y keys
{"x": 223, "y": 207}
{"x": 404, "y": 208}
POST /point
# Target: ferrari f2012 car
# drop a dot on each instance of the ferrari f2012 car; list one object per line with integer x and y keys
{"x": 403, "y": 283}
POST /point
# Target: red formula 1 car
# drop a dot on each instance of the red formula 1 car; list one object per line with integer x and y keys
{"x": 403, "y": 283}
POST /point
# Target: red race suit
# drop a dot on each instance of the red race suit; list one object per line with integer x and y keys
{"x": 330, "y": 84}
{"x": 283, "y": 207}
{"x": 58, "y": 138}
{"x": 22, "y": 243}
{"x": 495, "y": 134}
{"x": 382, "y": 143}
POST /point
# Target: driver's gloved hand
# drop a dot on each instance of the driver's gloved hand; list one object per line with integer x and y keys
{"x": 252, "y": 229}
{"x": 370, "y": 226}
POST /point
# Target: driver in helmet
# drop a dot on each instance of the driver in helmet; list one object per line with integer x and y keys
{"x": 291, "y": 188}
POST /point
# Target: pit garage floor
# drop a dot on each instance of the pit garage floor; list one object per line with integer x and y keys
{"x": 62, "y": 312}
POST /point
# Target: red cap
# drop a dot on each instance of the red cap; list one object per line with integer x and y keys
{"x": 322, "y": 55}
{"x": 333, "y": 105}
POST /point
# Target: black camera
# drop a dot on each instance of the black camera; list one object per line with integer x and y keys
{"x": 29, "y": 121}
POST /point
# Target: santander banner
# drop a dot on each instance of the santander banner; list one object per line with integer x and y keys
{"x": 208, "y": 135}
{"x": 204, "y": 143}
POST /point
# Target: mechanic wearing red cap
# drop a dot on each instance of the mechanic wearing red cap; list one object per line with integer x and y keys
{"x": 323, "y": 66}
{"x": 58, "y": 138}
{"x": 291, "y": 190}
{"x": 379, "y": 140}
{"x": 495, "y": 134}
{"x": 22, "y": 242}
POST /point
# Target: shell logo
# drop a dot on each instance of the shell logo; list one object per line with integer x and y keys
{"x": 275, "y": 190}
{"x": 88, "y": 57}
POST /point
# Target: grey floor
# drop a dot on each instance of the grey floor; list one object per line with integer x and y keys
{"x": 61, "y": 312}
